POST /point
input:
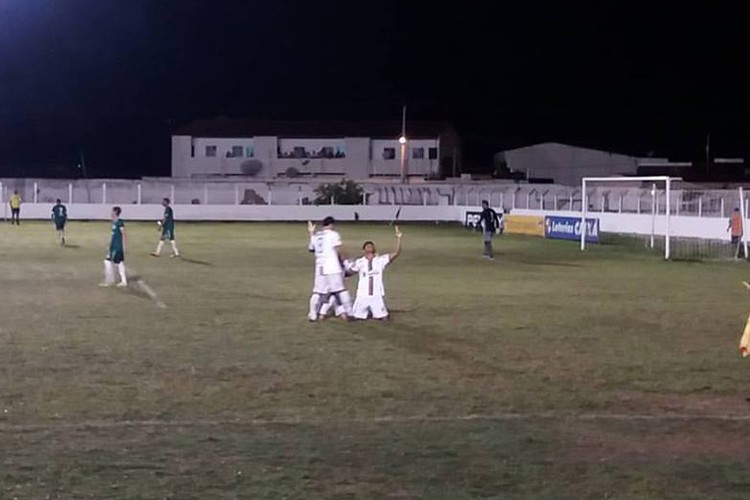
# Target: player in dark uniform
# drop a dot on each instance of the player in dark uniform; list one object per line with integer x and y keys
{"x": 166, "y": 225}
{"x": 116, "y": 254}
{"x": 60, "y": 217}
{"x": 491, "y": 224}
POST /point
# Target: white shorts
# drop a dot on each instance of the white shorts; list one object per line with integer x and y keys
{"x": 328, "y": 283}
{"x": 370, "y": 304}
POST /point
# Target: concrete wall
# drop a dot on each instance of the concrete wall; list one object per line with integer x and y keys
{"x": 640, "y": 224}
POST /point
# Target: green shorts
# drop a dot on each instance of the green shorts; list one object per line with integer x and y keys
{"x": 167, "y": 233}
{"x": 116, "y": 256}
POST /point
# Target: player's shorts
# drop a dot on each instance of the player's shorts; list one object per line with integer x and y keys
{"x": 116, "y": 256}
{"x": 328, "y": 283}
{"x": 167, "y": 233}
{"x": 374, "y": 304}
{"x": 60, "y": 224}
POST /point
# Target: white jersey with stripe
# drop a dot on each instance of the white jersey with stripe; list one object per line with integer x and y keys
{"x": 325, "y": 244}
{"x": 371, "y": 275}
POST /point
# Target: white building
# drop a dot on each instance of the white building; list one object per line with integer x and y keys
{"x": 270, "y": 150}
{"x": 564, "y": 164}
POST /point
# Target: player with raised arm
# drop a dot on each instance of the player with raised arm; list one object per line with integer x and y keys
{"x": 370, "y": 289}
{"x": 329, "y": 272}
{"x": 166, "y": 225}
{"x": 116, "y": 254}
{"x": 60, "y": 217}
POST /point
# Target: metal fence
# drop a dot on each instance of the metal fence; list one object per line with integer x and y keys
{"x": 506, "y": 196}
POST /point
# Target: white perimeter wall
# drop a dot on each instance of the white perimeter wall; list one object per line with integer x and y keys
{"x": 681, "y": 226}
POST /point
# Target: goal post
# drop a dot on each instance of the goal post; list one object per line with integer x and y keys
{"x": 586, "y": 182}
{"x": 684, "y": 220}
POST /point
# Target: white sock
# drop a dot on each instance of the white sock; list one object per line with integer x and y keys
{"x": 346, "y": 302}
{"x": 159, "y": 247}
{"x": 109, "y": 272}
{"x": 123, "y": 276}
{"x": 174, "y": 247}
{"x": 314, "y": 306}
{"x": 325, "y": 308}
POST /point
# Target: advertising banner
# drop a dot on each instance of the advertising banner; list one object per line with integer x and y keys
{"x": 569, "y": 228}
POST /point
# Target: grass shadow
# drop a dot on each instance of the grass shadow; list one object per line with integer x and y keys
{"x": 72, "y": 247}
{"x": 196, "y": 262}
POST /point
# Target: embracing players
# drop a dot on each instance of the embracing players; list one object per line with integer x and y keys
{"x": 329, "y": 271}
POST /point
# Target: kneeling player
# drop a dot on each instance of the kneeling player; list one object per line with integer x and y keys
{"x": 370, "y": 289}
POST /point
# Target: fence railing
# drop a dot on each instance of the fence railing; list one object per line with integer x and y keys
{"x": 505, "y": 196}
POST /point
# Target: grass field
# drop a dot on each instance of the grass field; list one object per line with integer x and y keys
{"x": 545, "y": 374}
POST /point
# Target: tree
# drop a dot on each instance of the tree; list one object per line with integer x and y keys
{"x": 346, "y": 192}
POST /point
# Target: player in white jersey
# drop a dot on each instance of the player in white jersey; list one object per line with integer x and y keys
{"x": 370, "y": 289}
{"x": 329, "y": 273}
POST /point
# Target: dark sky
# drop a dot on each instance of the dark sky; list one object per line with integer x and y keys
{"x": 114, "y": 76}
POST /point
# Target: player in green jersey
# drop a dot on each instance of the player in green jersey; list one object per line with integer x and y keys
{"x": 60, "y": 217}
{"x": 116, "y": 255}
{"x": 166, "y": 225}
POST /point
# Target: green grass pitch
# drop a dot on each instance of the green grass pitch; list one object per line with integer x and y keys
{"x": 545, "y": 374}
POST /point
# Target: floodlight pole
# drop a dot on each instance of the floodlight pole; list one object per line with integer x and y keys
{"x": 402, "y": 141}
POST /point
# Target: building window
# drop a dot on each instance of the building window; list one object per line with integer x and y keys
{"x": 417, "y": 154}
{"x": 236, "y": 152}
{"x": 211, "y": 151}
{"x": 250, "y": 152}
{"x": 389, "y": 153}
{"x": 432, "y": 152}
{"x": 340, "y": 152}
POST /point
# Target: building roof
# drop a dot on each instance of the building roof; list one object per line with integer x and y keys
{"x": 238, "y": 127}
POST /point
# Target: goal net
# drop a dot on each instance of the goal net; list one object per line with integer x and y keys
{"x": 665, "y": 215}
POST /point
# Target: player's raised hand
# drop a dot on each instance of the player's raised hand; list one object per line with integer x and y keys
{"x": 310, "y": 227}
{"x": 399, "y": 234}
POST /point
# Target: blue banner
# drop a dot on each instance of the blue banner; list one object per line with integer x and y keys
{"x": 569, "y": 228}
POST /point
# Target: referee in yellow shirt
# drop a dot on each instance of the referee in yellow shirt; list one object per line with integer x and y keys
{"x": 15, "y": 209}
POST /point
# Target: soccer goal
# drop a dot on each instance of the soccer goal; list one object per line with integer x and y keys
{"x": 665, "y": 215}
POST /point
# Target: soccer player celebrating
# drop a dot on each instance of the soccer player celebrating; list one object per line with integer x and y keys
{"x": 370, "y": 289}
{"x": 167, "y": 230}
{"x": 60, "y": 217}
{"x": 491, "y": 224}
{"x": 329, "y": 273}
{"x": 15, "y": 209}
{"x": 116, "y": 255}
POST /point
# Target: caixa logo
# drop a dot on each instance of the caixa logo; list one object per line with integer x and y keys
{"x": 473, "y": 219}
{"x": 569, "y": 228}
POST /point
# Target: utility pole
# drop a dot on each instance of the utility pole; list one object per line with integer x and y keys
{"x": 402, "y": 141}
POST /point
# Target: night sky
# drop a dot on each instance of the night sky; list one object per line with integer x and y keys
{"x": 114, "y": 77}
